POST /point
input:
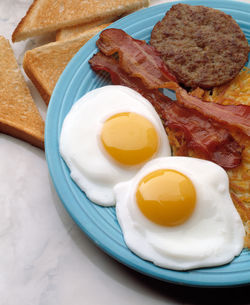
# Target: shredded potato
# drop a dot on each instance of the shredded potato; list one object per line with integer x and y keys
{"x": 235, "y": 92}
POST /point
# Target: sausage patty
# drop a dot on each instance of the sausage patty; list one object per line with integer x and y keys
{"x": 201, "y": 46}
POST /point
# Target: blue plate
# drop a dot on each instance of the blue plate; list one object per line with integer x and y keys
{"x": 100, "y": 223}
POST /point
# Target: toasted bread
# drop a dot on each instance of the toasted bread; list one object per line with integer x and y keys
{"x": 78, "y": 30}
{"x": 87, "y": 30}
{"x": 19, "y": 116}
{"x": 46, "y": 16}
{"x": 45, "y": 64}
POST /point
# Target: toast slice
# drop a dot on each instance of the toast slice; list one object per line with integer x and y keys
{"x": 84, "y": 29}
{"x": 45, "y": 64}
{"x": 19, "y": 116}
{"x": 46, "y": 16}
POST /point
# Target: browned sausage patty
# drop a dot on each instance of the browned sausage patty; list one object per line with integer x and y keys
{"x": 201, "y": 46}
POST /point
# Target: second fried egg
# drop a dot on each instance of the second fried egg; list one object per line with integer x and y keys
{"x": 177, "y": 213}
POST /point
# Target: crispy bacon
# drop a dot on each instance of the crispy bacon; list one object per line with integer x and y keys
{"x": 207, "y": 138}
{"x": 137, "y": 58}
{"x": 236, "y": 116}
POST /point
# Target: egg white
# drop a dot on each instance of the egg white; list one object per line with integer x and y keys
{"x": 94, "y": 171}
{"x": 212, "y": 236}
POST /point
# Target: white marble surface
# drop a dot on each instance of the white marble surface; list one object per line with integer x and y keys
{"x": 45, "y": 259}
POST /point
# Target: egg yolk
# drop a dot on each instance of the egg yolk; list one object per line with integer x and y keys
{"x": 129, "y": 138}
{"x": 166, "y": 197}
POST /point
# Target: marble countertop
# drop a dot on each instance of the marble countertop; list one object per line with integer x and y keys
{"x": 45, "y": 259}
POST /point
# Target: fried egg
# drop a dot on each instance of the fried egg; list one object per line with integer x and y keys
{"x": 107, "y": 136}
{"x": 177, "y": 213}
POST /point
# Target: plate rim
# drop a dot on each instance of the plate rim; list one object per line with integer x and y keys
{"x": 52, "y": 150}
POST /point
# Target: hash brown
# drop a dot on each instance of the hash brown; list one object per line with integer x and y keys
{"x": 234, "y": 93}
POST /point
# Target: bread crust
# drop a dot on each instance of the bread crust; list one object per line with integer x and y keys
{"x": 45, "y": 64}
{"x": 18, "y": 132}
{"x": 33, "y": 75}
{"x": 19, "y": 116}
{"x": 89, "y": 30}
{"x": 20, "y": 25}
{"x": 45, "y": 16}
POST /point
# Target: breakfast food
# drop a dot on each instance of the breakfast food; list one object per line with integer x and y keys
{"x": 239, "y": 176}
{"x": 89, "y": 29}
{"x": 236, "y": 117}
{"x": 19, "y": 116}
{"x": 83, "y": 31}
{"x": 208, "y": 138}
{"x": 177, "y": 213}
{"x": 46, "y": 16}
{"x": 106, "y": 138}
{"x": 234, "y": 93}
{"x": 44, "y": 65}
{"x": 112, "y": 138}
{"x": 136, "y": 58}
{"x": 201, "y": 46}
{"x": 192, "y": 133}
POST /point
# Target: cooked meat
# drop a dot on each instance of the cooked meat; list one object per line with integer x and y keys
{"x": 201, "y": 46}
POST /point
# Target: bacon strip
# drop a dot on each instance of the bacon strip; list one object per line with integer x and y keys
{"x": 237, "y": 116}
{"x": 209, "y": 140}
{"x": 137, "y": 58}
